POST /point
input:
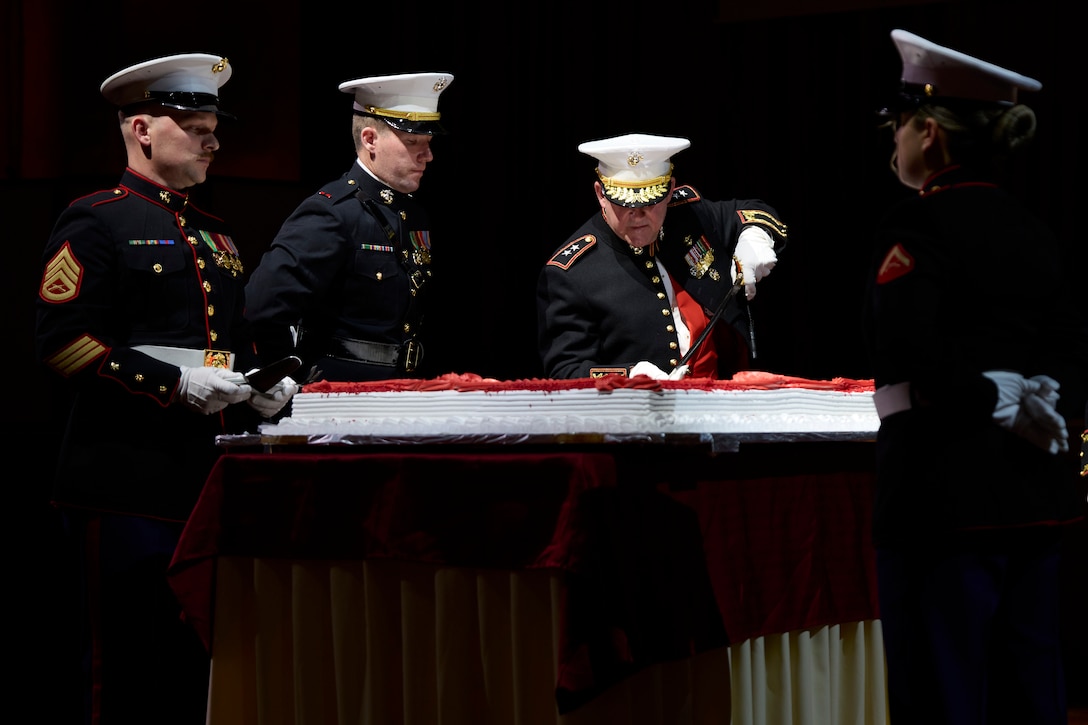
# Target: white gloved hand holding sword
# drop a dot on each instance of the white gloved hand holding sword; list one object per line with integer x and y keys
{"x": 753, "y": 258}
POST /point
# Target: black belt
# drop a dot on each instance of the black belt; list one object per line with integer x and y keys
{"x": 405, "y": 356}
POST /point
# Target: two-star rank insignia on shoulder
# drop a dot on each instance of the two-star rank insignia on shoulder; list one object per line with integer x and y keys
{"x": 684, "y": 195}
{"x": 565, "y": 257}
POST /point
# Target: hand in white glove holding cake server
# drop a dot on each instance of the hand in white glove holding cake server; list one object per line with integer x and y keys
{"x": 209, "y": 390}
{"x": 753, "y": 258}
{"x": 275, "y": 398}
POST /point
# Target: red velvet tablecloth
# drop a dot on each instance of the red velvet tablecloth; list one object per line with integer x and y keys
{"x": 665, "y": 552}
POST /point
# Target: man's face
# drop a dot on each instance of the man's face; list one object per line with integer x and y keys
{"x": 398, "y": 158}
{"x": 908, "y": 160}
{"x": 638, "y": 226}
{"x": 182, "y": 146}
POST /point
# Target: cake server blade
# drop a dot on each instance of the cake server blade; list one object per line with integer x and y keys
{"x": 264, "y": 378}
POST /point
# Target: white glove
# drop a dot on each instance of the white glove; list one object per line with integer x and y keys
{"x": 648, "y": 369}
{"x": 679, "y": 373}
{"x": 208, "y": 390}
{"x": 1048, "y": 390}
{"x": 1047, "y": 427}
{"x": 753, "y": 259}
{"x": 1011, "y": 387}
{"x": 1041, "y": 407}
{"x": 272, "y": 400}
{"x": 1026, "y": 407}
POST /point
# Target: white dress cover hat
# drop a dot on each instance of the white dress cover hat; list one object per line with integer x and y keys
{"x": 408, "y": 102}
{"x": 932, "y": 71}
{"x": 187, "y": 82}
{"x": 635, "y": 169}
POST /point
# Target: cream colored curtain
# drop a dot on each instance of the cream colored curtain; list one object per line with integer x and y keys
{"x": 387, "y": 643}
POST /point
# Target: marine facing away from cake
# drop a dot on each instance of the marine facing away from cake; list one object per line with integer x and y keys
{"x": 976, "y": 476}
{"x": 635, "y": 288}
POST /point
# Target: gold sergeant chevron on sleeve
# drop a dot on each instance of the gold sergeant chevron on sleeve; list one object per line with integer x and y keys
{"x": 60, "y": 282}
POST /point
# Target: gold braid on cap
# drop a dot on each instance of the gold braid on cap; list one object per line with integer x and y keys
{"x": 626, "y": 192}
{"x": 403, "y": 115}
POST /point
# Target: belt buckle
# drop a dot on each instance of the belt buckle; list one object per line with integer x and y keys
{"x": 413, "y": 351}
{"x": 217, "y": 359}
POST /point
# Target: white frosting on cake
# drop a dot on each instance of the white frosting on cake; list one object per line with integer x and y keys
{"x": 470, "y": 405}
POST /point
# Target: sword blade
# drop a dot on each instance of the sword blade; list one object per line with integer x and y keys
{"x": 711, "y": 322}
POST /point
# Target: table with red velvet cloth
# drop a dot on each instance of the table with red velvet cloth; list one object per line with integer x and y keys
{"x": 666, "y": 551}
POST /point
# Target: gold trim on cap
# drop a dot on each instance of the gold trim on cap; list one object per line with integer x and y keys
{"x": 403, "y": 115}
{"x": 643, "y": 191}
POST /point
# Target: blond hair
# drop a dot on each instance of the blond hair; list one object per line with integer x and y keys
{"x": 985, "y": 137}
{"x": 359, "y": 122}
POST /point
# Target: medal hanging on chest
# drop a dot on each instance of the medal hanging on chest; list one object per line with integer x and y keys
{"x": 420, "y": 258}
{"x": 223, "y": 250}
{"x": 421, "y": 247}
{"x": 700, "y": 258}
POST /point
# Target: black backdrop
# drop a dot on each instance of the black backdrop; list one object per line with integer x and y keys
{"x": 778, "y": 107}
{"x": 778, "y": 100}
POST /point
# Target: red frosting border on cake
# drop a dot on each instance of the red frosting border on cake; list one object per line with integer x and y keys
{"x": 747, "y": 380}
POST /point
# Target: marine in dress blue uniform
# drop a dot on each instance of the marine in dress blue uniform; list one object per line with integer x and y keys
{"x": 138, "y": 281}
{"x": 605, "y": 306}
{"x": 129, "y": 267}
{"x": 969, "y": 501}
{"x": 344, "y": 284}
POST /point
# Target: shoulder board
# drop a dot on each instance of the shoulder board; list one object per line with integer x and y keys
{"x": 763, "y": 218}
{"x": 684, "y": 195}
{"x": 565, "y": 257}
{"x": 336, "y": 190}
{"x": 101, "y": 197}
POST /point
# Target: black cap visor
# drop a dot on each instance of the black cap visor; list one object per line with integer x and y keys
{"x": 181, "y": 101}
{"x": 425, "y": 128}
{"x": 912, "y": 96}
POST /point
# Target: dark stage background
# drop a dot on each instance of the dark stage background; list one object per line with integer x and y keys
{"x": 778, "y": 99}
{"x": 778, "y": 103}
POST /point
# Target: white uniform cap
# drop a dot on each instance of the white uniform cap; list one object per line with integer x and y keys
{"x": 188, "y": 82}
{"x": 408, "y": 102}
{"x": 635, "y": 169}
{"x": 933, "y": 71}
